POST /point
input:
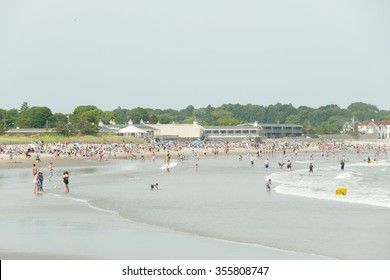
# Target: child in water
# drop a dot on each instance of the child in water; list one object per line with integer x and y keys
{"x": 40, "y": 182}
{"x": 268, "y": 185}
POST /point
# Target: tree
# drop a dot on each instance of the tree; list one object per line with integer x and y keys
{"x": 57, "y": 118}
{"x": 121, "y": 115}
{"x": 165, "y": 119}
{"x": 187, "y": 112}
{"x": 153, "y": 119}
{"x": 138, "y": 114}
{"x": 363, "y": 111}
{"x": 84, "y": 108}
{"x": 64, "y": 128}
{"x": 227, "y": 121}
{"x": 84, "y": 127}
{"x": 24, "y": 107}
{"x": 38, "y": 116}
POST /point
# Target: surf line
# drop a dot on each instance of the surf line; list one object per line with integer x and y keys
{"x": 87, "y": 203}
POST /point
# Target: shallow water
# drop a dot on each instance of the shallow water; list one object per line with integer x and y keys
{"x": 367, "y": 184}
{"x": 226, "y": 199}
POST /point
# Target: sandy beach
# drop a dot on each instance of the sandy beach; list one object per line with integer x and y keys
{"x": 120, "y": 222}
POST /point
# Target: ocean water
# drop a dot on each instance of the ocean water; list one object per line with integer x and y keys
{"x": 367, "y": 184}
{"x": 226, "y": 200}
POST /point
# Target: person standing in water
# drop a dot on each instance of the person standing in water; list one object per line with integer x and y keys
{"x": 289, "y": 165}
{"x": 50, "y": 167}
{"x": 35, "y": 182}
{"x": 268, "y": 185}
{"x": 65, "y": 179}
{"x": 311, "y": 168}
{"x": 34, "y": 169}
{"x": 40, "y": 182}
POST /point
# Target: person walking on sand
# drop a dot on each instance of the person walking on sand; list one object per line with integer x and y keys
{"x": 268, "y": 185}
{"x": 65, "y": 179}
{"x": 311, "y": 168}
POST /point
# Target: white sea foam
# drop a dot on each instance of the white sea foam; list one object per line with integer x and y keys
{"x": 366, "y": 184}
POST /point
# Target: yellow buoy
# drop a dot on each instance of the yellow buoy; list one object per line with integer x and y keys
{"x": 341, "y": 191}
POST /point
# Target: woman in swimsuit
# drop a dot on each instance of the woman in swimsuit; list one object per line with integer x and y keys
{"x": 65, "y": 179}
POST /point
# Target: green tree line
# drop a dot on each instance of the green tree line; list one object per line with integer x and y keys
{"x": 84, "y": 119}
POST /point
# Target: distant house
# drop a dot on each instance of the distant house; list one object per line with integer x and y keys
{"x": 347, "y": 127}
{"x": 380, "y": 129}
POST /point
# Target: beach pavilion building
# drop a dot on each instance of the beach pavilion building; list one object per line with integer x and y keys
{"x": 135, "y": 130}
{"x": 174, "y": 131}
{"x": 178, "y": 131}
{"x": 253, "y": 131}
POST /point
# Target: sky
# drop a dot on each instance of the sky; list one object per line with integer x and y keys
{"x": 174, "y": 53}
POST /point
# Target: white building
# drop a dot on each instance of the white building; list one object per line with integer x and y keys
{"x": 380, "y": 129}
{"x": 193, "y": 130}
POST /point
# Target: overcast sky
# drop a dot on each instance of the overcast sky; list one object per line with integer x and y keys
{"x": 170, "y": 54}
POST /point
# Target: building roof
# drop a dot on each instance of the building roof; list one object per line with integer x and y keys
{"x": 232, "y": 127}
{"x": 132, "y": 129}
{"x": 365, "y": 123}
{"x": 251, "y": 126}
{"x": 145, "y": 127}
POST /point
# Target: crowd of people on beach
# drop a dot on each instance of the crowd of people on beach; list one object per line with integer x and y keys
{"x": 137, "y": 150}
{"x": 185, "y": 150}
